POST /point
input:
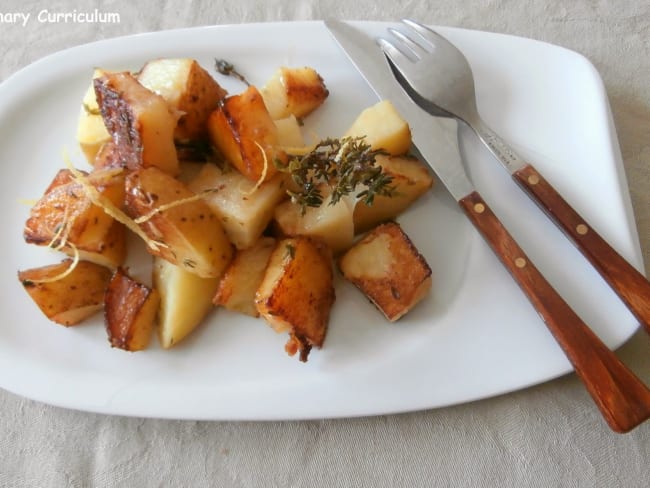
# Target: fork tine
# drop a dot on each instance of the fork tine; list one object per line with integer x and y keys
{"x": 429, "y": 35}
{"x": 396, "y": 56}
{"x": 416, "y": 48}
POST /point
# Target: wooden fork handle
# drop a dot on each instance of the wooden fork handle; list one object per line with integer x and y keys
{"x": 621, "y": 397}
{"x": 630, "y": 285}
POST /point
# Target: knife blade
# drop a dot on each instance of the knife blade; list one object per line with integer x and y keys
{"x": 622, "y": 398}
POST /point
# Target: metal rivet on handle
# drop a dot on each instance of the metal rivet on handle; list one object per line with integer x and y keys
{"x": 520, "y": 262}
{"x": 479, "y": 208}
{"x": 582, "y": 229}
{"x": 533, "y": 179}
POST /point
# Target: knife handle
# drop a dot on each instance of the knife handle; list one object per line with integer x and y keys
{"x": 622, "y": 398}
{"x": 630, "y": 285}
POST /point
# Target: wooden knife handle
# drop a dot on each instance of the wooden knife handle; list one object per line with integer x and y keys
{"x": 630, "y": 285}
{"x": 622, "y": 398}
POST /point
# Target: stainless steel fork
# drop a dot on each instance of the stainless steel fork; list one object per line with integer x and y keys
{"x": 437, "y": 76}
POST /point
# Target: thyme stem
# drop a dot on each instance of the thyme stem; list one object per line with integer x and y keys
{"x": 228, "y": 69}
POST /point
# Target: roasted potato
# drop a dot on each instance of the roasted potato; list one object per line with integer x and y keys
{"x": 187, "y": 88}
{"x": 383, "y": 127}
{"x": 91, "y": 131}
{"x": 186, "y": 232}
{"x": 294, "y": 91}
{"x": 297, "y": 293}
{"x": 185, "y": 299}
{"x": 67, "y": 298}
{"x": 65, "y": 218}
{"x": 388, "y": 269}
{"x": 243, "y": 210}
{"x": 242, "y": 129}
{"x": 140, "y": 122}
{"x": 109, "y": 156}
{"x": 332, "y": 224}
{"x": 410, "y": 178}
{"x": 129, "y": 312}
{"x": 289, "y": 133}
{"x": 242, "y": 278}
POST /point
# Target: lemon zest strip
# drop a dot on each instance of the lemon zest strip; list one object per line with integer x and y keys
{"x": 108, "y": 206}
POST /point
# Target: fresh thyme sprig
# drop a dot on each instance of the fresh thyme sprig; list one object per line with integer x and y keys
{"x": 226, "y": 68}
{"x": 343, "y": 165}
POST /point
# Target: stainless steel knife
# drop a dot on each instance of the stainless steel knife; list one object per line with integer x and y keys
{"x": 621, "y": 397}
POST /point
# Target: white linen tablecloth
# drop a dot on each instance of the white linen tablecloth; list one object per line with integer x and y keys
{"x": 548, "y": 435}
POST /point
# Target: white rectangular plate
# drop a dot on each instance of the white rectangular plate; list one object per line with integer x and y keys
{"x": 475, "y": 336}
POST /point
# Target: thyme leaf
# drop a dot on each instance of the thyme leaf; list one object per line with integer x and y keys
{"x": 345, "y": 165}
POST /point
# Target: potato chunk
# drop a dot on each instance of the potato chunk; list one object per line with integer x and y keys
{"x": 297, "y": 293}
{"x": 73, "y": 297}
{"x": 244, "y": 212}
{"x": 187, "y": 88}
{"x": 65, "y": 218}
{"x": 91, "y": 131}
{"x": 411, "y": 179}
{"x": 129, "y": 312}
{"x": 294, "y": 91}
{"x": 185, "y": 300}
{"x": 108, "y": 156}
{"x": 333, "y": 224}
{"x": 242, "y": 129}
{"x": 289, "y": 133}
{"x": 388, "y": 269}
{"x": 187, "y": 234}
{"x": 241, "y": 280}
{"x": 139, "y": 121}
{"x": 383, "y": 127}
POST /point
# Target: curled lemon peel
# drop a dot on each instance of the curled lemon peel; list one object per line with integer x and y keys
{"x": 62, "y": 233}
{"x": 298, "y": 150}
{"x": 66, "y": 272}
{"x": 61, "y": 236}
{"x": 98, "y": 199}
{"x": 261, "y": 179}
{"x": 144, "y": 218}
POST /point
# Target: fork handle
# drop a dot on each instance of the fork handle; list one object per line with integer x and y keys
{"x": 630, "y": 285}
{"x": 622, "y": 398}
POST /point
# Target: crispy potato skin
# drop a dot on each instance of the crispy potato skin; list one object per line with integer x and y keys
{"x": 294, "y": 91}
{"x": 190, "y": 233}
{"x": 65, "y": 215}
{"x": 186, "y": 87}
{"x": 242, "y": 129}
{"x": 71, "y": 299}
{"x": 139, "y": 121}
{"x": 108, "y": 156}
{"x": 297, "y": 292}
{"x": 388, "y": 269}
{"x": 91, "y": 131}
{"x": 129, "y": 312}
